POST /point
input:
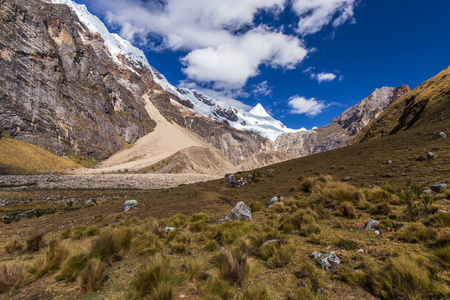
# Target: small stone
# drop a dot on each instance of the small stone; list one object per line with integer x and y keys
{"x": 169, "y": 229}
{"x": 274, "y": 200}
{"x": 270, "y": 241}
{"x": 431, "y": 155}
{"x": 389, "y": 162}
{"x": 220, "y": 221}
{"x": 438, "y": 187}
{"x": 360, "y": 251}
{"x": 270, "y": 171}
{"x": 377, "y": 232}
{"x": 372, "y": 224}
{"x": 427, "y": 191}
{"x": 442, "y": 135}
{"x": 346, "y": 179}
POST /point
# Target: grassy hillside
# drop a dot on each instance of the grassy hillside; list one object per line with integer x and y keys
{"x": 19, "y": 157}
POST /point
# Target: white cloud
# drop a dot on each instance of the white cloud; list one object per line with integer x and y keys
{"x": 262, "y": 88}
{"x": 315, "y": 14}
{"x": 325, "y": 77}
{"x": 310, "y": 107}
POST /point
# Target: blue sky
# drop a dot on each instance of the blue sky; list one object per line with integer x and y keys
{"x": 305, "y": 61}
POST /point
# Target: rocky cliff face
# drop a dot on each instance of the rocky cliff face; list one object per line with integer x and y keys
{"x": 59, "y": 91}
{"x": 341, "y": 129}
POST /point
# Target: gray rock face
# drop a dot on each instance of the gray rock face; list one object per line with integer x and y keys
{"x": 129, "y": 204}
{"x": 438, "y": 187}
{"x": 341, "y": 129}
{"x": 58, "y": 85}
{"x": 372, "y": 225}
{"x": 241, "y": 212}
{"x": 326, "y": 260}
{"x": 442, "y": 135}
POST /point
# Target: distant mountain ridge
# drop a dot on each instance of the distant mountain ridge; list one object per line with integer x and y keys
{"x": 72, "y": 87}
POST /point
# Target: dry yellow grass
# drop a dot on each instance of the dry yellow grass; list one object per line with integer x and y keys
{"x": 24, "y": 158}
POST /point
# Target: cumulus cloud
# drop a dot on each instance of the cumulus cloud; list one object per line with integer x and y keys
{"x": 315, "y": 14}
{"x": 325, "y": 77}
{"x": 310, "y": 107}
{"x": 262, "y": 88}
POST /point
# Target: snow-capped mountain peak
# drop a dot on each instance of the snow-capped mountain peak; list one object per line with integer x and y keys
{"x": 259, "y": 110}
{"x": 257, "y": 120}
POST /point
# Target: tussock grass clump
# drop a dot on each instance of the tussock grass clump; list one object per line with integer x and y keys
{"x": 176, "y": 221}
{"x": 145, "y": 244}
{"x": 256, "y": 206}
{"x": 93, "y": 275}
{"x": 123, "y": 237}
{"x": 382, "y": 208}
{"x": 157, "y": 229}
{"x": 232, "y": 265}
{"x": 211, "y": 245}
{"x": 307, "y": 184}
{"x": 333, "y": 193}
{"x": 281, "y": 257}
{"x": 199, "y": 217}
{"x": 303, "y": 293}
{"x": 279, "y": 207}
{"x": 72, "y": 267}
{"x": 443, "y": 256}
{"x": 379, "y": 194}
{"x": 347, "y": 210}
{"x": 258, "y": 291}
{"x": 416, "y": 232}
{"x": 92, "y": 231}
{"x": 197, "y": 226}
{"x": 305, "y": 221}
{"x": 105, "y": 248}
{"x": 12, "y": 245}
{"x": 181, "y": 243}
{"x": 35, "y": 242}
{"x": 155, "y": 279}
{"x": 215, "y": 288}
{"x": 347, "y": 244}
{"x": 229, "y": 232}
{"x": 66, "y": 233}
{"x": 195, "y": 269}
{"x": 438, "y": 220}
{"x": 78, "y": 232}
{"x": 12, "y": 276}
{"x": 54, "y": 258}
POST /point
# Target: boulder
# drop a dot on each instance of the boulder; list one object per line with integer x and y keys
{"x": 326, "y": 260}
{"x": 220, "y": 221}
{"x": 129, "y": 204}
{"x": 241, "y": 212}
{"x": 232, "y": 181}
{"x": 438, "y": 187}
{"x": 372, "y": 225}
{"x": 431, "y": 155}
{"x": 274, "y": 200}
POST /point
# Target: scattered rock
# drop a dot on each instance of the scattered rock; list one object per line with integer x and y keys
{"x": 377, "y": 232}
{"x": 250, "y": 178}
{"x": 372, "y": 224}
{"x": 129, "y": 204}
{"x": 169, "y": 229}
{"x": 427, "y": 191}
{"x": 89, "y": 203}
{"x": 442, "y": 135}
{"x": 438, "y": 187}
{"x": 270, "y": 171}
{"x": 231, "y": 181}
{"x": 220, "y": 221}
{"x": 346, "y": 179}
{"x": 360, "y": 251}
{"x": 431, "y": 155}
{"x": 389, "y": 162}
{"x": 274, "y": 200}
{"x": 270, "y": 241}
{"x": 326, "y": 260}
{"x": 316, "y": 255}
{"x": 240, "y": 212}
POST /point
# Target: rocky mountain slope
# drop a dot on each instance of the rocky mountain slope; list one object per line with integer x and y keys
{"x": 72, "y": 87}
{"x": 425, "y": 105}
{"x": 341, "y": 129}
